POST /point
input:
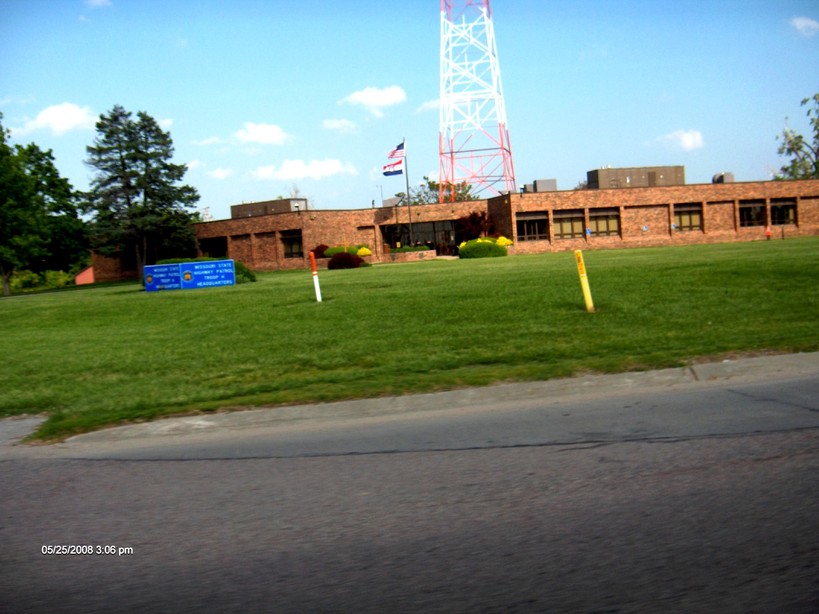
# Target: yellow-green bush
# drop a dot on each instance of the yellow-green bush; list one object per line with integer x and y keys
{"x": 485, "y": 247}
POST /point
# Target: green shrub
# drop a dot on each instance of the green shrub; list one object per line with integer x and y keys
{"x": 339, "y": 249}
{"x": 57, "y": 279}
{"x": 184, "y": 260}
{"x": 410, "y": 248}
{"x": 345, "y": 260}
{"x": 24, "y": 280}
{"x": 481, "y": 248}
{"x": 243, "y": 274}
{"x": 48, "y": 280}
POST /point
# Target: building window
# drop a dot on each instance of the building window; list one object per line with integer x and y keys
{"x": 783, "y": 211}
{"x": 604, "y": 222}
{"x": 533, "y": 226}
{"x": 291, "y": 241}
{"x": 751, "y": 213}
{"x": 688, "y": 216}
{"x": 216, "y": 247}
{"x": 442, "y": 236}
{"x": 569, "y": 224}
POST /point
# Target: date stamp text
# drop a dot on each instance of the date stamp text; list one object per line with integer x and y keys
{"x": 86, "y": 550}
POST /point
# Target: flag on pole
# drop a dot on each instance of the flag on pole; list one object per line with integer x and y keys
{"x": 397, "y": 167}
{"x": 394, "y": 168}
{"x": 398, "y": 152}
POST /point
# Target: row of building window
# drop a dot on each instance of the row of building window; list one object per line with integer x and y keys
{"x": 570, "y": 223}
{"x": 603, "y": 222}
{"x": 752, "y": 213}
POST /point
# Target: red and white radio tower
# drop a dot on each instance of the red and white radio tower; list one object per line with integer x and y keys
{"x": 474, "y": 140}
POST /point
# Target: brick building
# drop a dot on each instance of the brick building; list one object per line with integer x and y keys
{"x": 284, "y": 240}
{"x": 537, "y": 222}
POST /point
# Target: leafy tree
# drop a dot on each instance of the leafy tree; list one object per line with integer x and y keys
{"x": 39, "y": 226}
{"x": 428, "y": 192}
{"x": 139, "y": 209}
{"x": 66, "y": 241}
{"x": 804, "y": 155}
{"x": 462, "y": 191}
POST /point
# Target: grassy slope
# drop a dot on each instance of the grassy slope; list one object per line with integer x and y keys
{"x": 105, "y": 355}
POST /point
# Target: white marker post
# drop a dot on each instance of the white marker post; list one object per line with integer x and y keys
{"x": 315, "y": 277}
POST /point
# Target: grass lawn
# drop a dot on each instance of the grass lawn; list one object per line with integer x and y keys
{"x": 91, "y": 357}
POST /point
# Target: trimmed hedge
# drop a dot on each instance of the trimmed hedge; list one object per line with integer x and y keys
{"x": 484, "y": 247}
{"x": 339, "y": 249}
{"x": 410, "y": 248}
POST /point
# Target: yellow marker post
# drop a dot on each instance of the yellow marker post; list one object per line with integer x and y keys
{"x": 584, "y": 281}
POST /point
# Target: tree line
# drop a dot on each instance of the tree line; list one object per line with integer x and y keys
{"x": 138, "y": 209}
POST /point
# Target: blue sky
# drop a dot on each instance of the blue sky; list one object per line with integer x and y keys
{"x": 264, "y": 97}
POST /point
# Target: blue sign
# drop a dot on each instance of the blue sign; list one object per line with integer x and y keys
{"x": 189, "y": 275}
{"x": 207, "y": 274}
{"x": 162, "y": 277}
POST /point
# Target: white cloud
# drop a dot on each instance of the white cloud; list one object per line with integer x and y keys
{"x": 165, "y": 123}
{"x": 344, "y": 126}
{"x": 266, "y": 134}
{"x": 429, "y": 105}
{"x": 805, "y": 25}
{"x": 211, "y": 140}
{"x": 299, "y": 169}
{"x": 687, "y": 140}
{"x": 194, "y": 164}
{"x": 375, "y": 100}
{"x": 97, "y": 4}
{"x": 221, "y": 173}
{"x": 60, "y": 118}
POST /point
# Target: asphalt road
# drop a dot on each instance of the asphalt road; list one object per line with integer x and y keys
{"x": 667, "y": 496}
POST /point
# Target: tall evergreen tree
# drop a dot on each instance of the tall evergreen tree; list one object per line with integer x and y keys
{"x": 138, "y": 205}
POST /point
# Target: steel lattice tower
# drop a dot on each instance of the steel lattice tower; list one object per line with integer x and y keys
{"x": 474, "y": 140}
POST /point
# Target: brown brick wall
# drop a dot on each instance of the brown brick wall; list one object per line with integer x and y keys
{"x": 646, "y": 214}
{"x": 256, "y": 241}
{"x": 646, "y": 217}
{"x": 109, "y": 269}
{"x": 809, "y": 211}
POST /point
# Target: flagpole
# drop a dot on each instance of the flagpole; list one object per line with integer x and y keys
{"x": 409, "y": 199}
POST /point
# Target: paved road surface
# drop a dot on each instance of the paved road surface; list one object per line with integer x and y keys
{"x": 675, "y": 496}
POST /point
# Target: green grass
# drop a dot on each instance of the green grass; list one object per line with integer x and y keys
{"x": 99, "y": 356}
